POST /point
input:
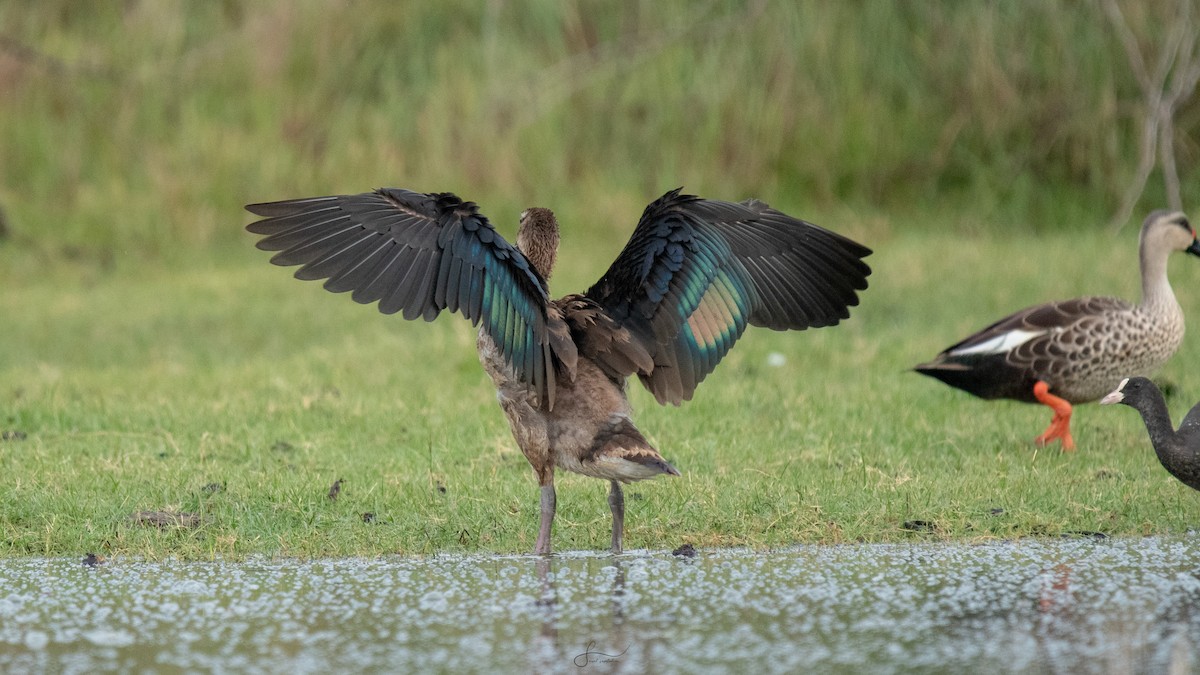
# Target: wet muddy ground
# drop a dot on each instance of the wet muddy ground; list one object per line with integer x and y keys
{"x": 1031, "y": 606}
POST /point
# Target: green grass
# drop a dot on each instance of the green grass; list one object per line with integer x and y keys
{"x": 148, "y": 352}
{"x": 137, "y": 389}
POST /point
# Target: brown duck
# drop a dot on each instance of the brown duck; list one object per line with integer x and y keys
{"x": 1178, "y": 451}
{"x": 1076, "y": 350}
{"x": 693, "y": 276}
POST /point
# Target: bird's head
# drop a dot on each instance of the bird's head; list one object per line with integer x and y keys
{"x": 1169, "y": 230}
{"x": 1128, "y": 392}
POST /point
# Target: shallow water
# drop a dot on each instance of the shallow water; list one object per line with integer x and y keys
{"x": 1031, "y": 606}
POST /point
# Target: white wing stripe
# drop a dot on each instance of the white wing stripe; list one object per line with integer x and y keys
{"x": 1000, "y": 344}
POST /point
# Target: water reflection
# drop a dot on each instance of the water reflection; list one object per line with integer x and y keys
{"x": 1124, "y": 635}
{"x": 1041, "y": 607}
{"x": 607, "y": 651}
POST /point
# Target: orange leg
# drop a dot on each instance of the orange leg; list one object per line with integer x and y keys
{"x": 1060, "y": 425}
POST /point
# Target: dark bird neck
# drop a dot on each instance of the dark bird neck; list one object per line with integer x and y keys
{"x": 1158, "y": 424}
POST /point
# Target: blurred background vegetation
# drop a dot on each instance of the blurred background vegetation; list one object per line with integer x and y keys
{"x": 138, "y": 129}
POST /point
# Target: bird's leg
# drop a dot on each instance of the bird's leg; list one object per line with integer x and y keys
{"x": 542, "y": 547}
{"x": 616, "y": 502}
{"x": 1060, "y": 425}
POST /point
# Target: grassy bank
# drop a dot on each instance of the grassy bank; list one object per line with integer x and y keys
{"x": 224, "y": 388}
{"x": 152, "y": 362}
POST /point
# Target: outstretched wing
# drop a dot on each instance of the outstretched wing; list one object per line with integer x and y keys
{"x": 418, "y": 254}
{"x": 696, "y": 272}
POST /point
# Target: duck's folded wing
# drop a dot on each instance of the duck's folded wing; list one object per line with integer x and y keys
{"x": 1006, "y": 358}
{"x": 1027, "y": 338}
{"x": 417, "y": 254}
{"x": 696, "y": 272}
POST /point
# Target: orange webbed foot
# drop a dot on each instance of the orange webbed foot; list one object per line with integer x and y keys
{"x": 1060, "y": 425}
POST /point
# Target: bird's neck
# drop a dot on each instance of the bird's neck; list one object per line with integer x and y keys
{"x": 542, "y": 262}
{"x": 1158, "y": 425}
{"x": 539, "y": 245}
{"x": 1156, "y": 287}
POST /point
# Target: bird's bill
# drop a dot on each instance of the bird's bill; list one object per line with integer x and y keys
{"x": 1194, "y": 249}
{"x": 1116, "y": 395}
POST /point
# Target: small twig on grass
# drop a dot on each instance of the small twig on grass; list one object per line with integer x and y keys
{"x": 163, "y": 519}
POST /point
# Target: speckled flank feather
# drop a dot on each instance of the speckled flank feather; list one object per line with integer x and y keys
{"x": 693, "y": 276}
{"x": 1079, "y": 347}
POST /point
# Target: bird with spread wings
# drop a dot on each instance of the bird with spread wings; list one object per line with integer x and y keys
{"x": 694, "y": 274}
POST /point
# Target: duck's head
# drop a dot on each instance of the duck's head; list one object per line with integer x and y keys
{"x": 537, "y": 238}
{"x": 1169, "y": 231}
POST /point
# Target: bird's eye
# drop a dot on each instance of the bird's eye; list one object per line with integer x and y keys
{"x": 524, "y": 214}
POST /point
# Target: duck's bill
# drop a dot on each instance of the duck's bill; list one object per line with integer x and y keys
{"x": 1113, "y": 397}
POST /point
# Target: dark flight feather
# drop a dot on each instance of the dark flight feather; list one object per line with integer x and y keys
{"x": 418, "y": 254}
{"x": 696, "y": 272}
